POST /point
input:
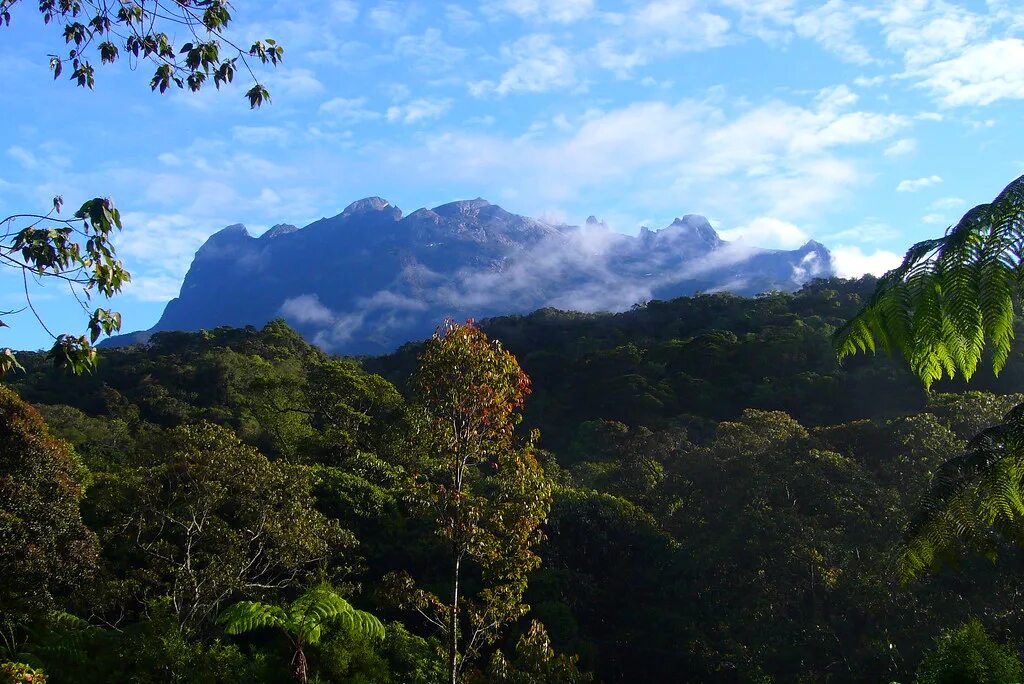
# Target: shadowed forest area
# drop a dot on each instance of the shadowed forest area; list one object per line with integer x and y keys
{"x": 725, "y": 503}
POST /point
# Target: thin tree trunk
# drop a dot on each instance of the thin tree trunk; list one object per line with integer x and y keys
{"x": 453, "y": 623}
{"x": 301, "y": 670}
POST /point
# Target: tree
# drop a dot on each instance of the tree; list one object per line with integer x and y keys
{"x": 951, "y": 301}
{"x": 487, "y": 495}
{"x": 967, "y": 655}
{"x": 303, "y": 622}
{"x": 535, "y": 662}
{"x": 207, "y": 516}
{"x": 45, "y": 551}
{"x": 44, "y": 246}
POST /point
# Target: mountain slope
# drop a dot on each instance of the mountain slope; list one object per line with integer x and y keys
{"x": 370, "y": 278}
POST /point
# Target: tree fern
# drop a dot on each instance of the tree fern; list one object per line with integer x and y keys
{"x": 303, "y": 621}
{"x": 951, "y": 300}
{"x": 952, "y": 297}
{"x": 975, "y": 500}
{"x": 246, "y": 616}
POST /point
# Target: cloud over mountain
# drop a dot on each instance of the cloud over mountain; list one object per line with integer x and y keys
{"x": 371, "y": 278}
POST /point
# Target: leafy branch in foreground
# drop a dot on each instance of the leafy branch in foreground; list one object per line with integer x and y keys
{"x": 140, "y": 30}
{"x": 950, "y": 299}
{"x": 303, "y": 622}
{"x": 76, "y": 251}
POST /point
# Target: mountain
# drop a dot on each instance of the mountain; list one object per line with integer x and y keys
{"x": 370, "y": 278}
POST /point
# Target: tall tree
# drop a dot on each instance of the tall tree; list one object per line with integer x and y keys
{"x": 952, "y": 301}
{"x": 488, "y": 495}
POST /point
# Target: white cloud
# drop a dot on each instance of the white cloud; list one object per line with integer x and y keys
{"x": 418, "y": 110}
{"x": 460, "y": 18}
{"x": 557, "y": 11}
{"x": 784, "y": 160}
{"x": 389, "y": 16}
{"x": 834, "y": 25}
{"x": 915, "y": 184}
{"x": 678, "y": 26}
{"x": 24, "y": 157}
{"x": 869, "y": 231}
{"x": 926, "y": 31}
{"x": 853, "y": 262}
{"x": 157, "y": 249}
{"x": 259, "y": 135}
{"x": 306, "y": 309}
{"x": 538, "y": 66}
{"x": 947, "y": 203}
{"x": 289, "y": 83}
{"x": 169, "y": 159}
{"x": 346, "y": 111}
{"x": 766, "y": 231}
{"x": 153, "y": 288}
{"x": 979, "y": 76}
{"x": 344, "y": 10}
{"x": 429, "y": 51}
{"x": 901, "y": 147}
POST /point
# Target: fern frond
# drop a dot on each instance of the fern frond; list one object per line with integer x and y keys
{"x": 363, "y": 623}
{"x": 951, "y": 297}
{"x": 322, "y": 605}
{"x": 974, "y": 499}
{"x": 246, "y": 616}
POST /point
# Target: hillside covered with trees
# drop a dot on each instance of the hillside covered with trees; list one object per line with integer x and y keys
{"x": 698, "y": 491}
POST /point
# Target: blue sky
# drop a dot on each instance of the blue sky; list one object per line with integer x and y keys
{"x": 865, "y": 125}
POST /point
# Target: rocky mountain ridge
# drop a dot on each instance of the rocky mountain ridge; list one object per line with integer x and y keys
{"x": 371, "y": 278}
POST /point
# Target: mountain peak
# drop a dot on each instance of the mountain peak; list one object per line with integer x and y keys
{"x": 234, "y": 230}
{"x": 462, "y": 207}
{"x": 696, "y": 227}
{"x": 278, "y": 230}
{"x": 366, "y": 205}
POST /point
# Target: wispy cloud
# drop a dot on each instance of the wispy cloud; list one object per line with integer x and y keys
{"x": 915, "y": 184}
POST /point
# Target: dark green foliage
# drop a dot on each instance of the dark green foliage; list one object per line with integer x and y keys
{"x": 689, "y": 539}
{"x": 203, "y": 517}
{"x": 968, "y": 655}
{"x": 45, "y": 550}
{"x": 304, "y": 621}
{"x": 693, "y": 361}
{"x": 402, "y": 658}
{"x": 535, "y": 662}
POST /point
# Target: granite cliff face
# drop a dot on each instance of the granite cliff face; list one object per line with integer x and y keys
{"x": 369, "y": 279}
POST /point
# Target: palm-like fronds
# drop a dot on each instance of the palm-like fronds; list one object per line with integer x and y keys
{"x": 950, "y": 300}
{"x": 305, "y": 619}
{"x": 951, "y": 297}
{"x": 246, "y": 616}
{"x": 974, "y": 501}
{"x": 322, "y": 606}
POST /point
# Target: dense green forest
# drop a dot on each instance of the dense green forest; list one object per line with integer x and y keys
{"x": 720, "y": 501}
